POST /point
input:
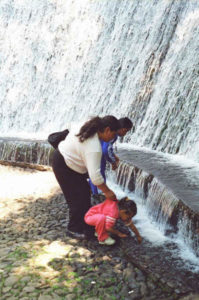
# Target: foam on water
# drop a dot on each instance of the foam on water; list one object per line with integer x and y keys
{"x": 152, "y": 232}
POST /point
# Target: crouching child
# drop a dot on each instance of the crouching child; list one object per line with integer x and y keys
{"x": 104, "y": 215}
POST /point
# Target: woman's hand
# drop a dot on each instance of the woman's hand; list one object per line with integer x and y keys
{"x": 110, "y": 195}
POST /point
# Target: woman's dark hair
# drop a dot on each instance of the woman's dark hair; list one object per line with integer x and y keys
{"x": 125, "y": 123}
{"x": 97, "y": 124}
{"x": 128, "y": 205}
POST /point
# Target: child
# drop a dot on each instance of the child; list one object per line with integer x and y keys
{"x": 104, "y": 215}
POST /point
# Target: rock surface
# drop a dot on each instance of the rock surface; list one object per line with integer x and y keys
{"x": 38, "y": 261}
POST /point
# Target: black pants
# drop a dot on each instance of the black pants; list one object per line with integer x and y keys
{"x": 76, "y": 191}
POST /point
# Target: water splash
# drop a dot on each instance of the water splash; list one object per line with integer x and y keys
{"x": 160, "y": 197}
{"x": 62, "y": 61}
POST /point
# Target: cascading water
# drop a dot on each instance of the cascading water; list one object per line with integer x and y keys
{"x": 179, "y": 174}
{"x": 160, "y": 221}
{"x": 63, "y": 61}
{"x": 32, "y": 152}
{"x": 160, "y": 201}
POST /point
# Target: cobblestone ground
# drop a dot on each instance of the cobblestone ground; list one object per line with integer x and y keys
{"x": 39, "y": 261}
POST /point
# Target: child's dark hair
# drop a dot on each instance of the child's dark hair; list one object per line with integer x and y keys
{"x": 96, "y": 124}
{"x": 125, "y": 123}
{"x": 128, "y": 205}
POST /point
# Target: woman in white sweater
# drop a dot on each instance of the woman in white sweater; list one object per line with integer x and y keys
{"x": 78, "y": 157}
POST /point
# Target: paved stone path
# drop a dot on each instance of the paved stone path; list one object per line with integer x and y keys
{"x": 38, "y": 261}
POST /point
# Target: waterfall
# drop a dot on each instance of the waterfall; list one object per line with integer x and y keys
{"x": 24, "y": 151}
{"x": 163, "y": 206}
{"x": 66, "y": 60}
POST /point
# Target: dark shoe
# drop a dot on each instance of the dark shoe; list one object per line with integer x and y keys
{"x": 76, "y": 235}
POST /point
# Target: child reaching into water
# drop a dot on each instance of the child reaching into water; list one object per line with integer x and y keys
{"x": 104, "y": 215}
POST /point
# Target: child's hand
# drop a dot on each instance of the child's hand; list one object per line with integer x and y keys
{"x": 122, "y": 235}
{"x": 139, "y": 238}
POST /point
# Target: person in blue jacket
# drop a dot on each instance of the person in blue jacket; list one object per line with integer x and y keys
{"x": 108, "y": 153}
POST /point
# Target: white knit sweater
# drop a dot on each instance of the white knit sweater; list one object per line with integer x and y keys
{"x": 83, "y": 157}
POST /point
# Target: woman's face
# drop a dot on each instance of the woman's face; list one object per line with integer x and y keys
{"x": 107, "y": 135}
{"x": 123, "y": 131}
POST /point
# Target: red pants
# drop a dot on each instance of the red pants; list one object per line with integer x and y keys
{"x": 99, "y": 221}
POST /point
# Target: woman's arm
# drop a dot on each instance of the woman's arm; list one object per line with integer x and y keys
{"x": 109, "y": 194}
{"x": 93, "y": 163}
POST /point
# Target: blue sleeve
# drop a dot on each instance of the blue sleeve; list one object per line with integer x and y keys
{"x": 107, "y": 150}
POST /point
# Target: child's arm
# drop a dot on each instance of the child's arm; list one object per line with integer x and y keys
{"x": 134, "y": 229}
{"x": 117, "y": 232}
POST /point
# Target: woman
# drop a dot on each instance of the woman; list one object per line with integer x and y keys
{"x": 78, "y": 154}
{"x": 108, "y": 153}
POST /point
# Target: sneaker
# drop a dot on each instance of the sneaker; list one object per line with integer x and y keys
{"x": 109, "y": 241}
{"x": 76, "y": 235}
{"x": 96, "y": 234}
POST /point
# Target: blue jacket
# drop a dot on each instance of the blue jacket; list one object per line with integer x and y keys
{"x": 107, "y": 155}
